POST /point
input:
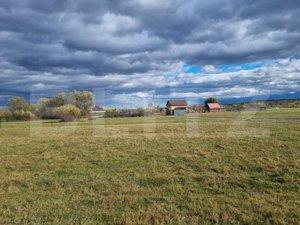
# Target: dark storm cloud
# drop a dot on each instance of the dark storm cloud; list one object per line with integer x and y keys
{"x": 134, "y": 44}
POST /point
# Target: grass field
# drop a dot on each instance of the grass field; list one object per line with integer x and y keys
{"x": 212, "y": 168}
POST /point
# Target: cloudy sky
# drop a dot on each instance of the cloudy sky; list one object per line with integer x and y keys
{"x": 129, "y": 51}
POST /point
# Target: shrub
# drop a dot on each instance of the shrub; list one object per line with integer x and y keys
{"x": 22, "y": 115}
{"x": 5, "y": 114}
{"x": 140, "y": 112}
{"x": 112, "y": 111}
{"x": 44, "y": 109}
{"x": 125, "y": 113}
{"x": 67, "y": 113}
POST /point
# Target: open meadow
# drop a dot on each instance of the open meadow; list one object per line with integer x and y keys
{"x": 210, "y": 168}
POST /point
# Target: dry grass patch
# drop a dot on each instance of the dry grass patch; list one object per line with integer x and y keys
{"x": 162, "y": 170}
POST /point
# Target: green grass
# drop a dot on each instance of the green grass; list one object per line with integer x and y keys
{"x": 212, "y": 168}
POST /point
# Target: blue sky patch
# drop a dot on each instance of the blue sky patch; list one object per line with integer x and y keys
{"x": 237, "y": 67}
{"x": 244, "y": 66}
{"x": 225, "y": 68}
{"x": 192, "y": 69}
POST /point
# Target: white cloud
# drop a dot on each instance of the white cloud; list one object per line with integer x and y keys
{"x": 210, "y": 69}
{"x": 141, "y": 45}
{"x": 141, "y": 94}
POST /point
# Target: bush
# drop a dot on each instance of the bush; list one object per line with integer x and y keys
{"x": 112, "y": 111}
{"x": 125, "y": 113}
{"x": 67, "y": 113}
{"x": 22, "y": 115}
{"x": 5, "y": 114}
{"x": 140, "y": 112}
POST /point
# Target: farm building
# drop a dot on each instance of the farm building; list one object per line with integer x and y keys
{"x": 176, "y": 107}
{"x": 213, "y": 107}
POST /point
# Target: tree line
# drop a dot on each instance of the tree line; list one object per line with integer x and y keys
{"x": 63, "y": 106}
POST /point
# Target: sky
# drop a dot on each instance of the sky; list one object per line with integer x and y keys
{"x": 134, "y": 52}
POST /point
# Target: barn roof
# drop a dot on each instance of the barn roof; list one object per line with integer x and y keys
{"x": 177, "y": 103}
{"x": 214, "y": 105}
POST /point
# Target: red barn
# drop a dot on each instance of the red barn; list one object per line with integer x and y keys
{"x": 213, "y": 107}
